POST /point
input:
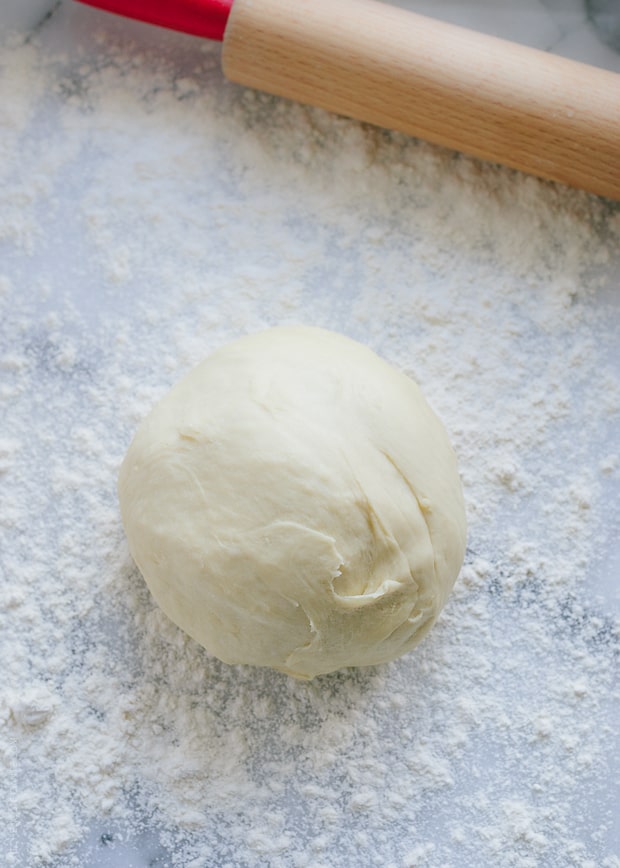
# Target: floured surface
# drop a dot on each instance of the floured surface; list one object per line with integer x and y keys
{"x": 151, "y": 212}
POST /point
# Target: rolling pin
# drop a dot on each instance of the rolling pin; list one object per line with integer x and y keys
{"x": 488, "y": 97}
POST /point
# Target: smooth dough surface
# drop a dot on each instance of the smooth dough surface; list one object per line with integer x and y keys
{"x": 294, "y": 502}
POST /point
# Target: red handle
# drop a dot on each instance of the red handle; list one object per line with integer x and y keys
{"x": 206, "y": 18}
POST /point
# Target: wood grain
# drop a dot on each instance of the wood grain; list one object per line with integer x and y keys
{"x": 488, "y": 97}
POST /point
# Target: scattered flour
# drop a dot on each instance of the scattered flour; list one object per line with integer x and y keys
{"x": 150, "y": 212}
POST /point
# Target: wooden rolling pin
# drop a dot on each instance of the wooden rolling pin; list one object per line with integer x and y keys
{"x": 533, "y": 111}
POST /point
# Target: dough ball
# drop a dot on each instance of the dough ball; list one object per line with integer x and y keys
{"x": 294, "y": 502}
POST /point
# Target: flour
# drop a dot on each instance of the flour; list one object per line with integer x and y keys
{"x": 151, "y": 212}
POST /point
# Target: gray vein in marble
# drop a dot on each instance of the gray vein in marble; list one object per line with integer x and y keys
{"x": 43, "y": 20}
{"x": 605, "y": 15}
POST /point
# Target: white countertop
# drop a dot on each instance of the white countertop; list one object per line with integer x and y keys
{"x": 149, "y": 211}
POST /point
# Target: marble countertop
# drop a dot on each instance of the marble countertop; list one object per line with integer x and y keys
{"x": 149, "y": 209}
